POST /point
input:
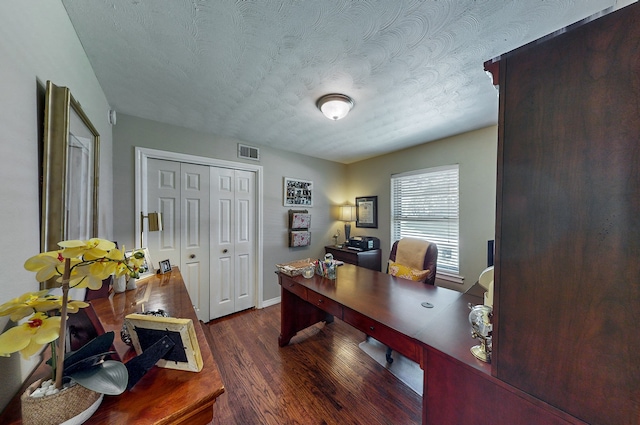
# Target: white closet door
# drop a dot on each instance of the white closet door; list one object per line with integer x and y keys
{"x": 222, "y": 242}
{"x": 180, "y": 191}
{"x": 163, "y": 195}
{"x": 233, "y": 243}
{"x": 194, "y": 247}
{"x": 245, "y": 243}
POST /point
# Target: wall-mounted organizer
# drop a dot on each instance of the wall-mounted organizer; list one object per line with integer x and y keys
{"x": 299, "y": 225}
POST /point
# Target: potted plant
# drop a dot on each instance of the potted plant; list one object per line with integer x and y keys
{"x": 78, "y": 264}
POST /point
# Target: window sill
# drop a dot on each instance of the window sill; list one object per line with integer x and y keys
{"x": 450, "y": 277}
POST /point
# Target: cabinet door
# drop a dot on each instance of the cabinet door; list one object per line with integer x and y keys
{"x": 568, "y": 229}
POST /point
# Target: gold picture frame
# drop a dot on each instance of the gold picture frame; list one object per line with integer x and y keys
{"x": 70, "y": 171}
{"x": 145, "y": 330}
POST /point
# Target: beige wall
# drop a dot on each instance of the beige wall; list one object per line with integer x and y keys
{"x": 37, "y": 43}
{"x": 328, "y": 180}
{"x": 334, "y": 184}
{"x": 475, "y": 152}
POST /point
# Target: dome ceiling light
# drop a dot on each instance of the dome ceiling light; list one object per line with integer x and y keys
{"x": 335, "y": 106}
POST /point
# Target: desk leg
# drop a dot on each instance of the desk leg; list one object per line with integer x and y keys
{"x": 297, "y": 314}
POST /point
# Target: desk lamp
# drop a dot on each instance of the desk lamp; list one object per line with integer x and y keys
{"x": 347, "y": 214}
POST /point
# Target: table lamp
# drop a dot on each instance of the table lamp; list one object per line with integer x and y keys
{"x": 347, "y": 214}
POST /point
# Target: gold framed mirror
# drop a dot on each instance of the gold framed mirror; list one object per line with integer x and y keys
{"x": 70, "y": 160}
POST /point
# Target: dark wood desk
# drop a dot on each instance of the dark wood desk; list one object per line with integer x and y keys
{"x": 371, "y": 259}
{"x": 162, "y": 396}
{"x": 384, "y": 307}
{"x": 458, "y": 388}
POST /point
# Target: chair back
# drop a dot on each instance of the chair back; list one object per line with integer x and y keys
{"x": 429, "y": 260}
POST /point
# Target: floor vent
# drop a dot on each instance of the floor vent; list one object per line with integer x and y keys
{"x": 248, "y": 152}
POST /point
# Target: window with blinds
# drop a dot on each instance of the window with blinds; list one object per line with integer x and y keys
{"x": 425, "y": 204}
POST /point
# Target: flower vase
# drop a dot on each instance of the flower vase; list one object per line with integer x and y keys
{"x": 120, "y": 284}
{"x": 131, "y": 283}
{"x": 72, "y": 405}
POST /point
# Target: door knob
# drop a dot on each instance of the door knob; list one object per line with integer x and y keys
{"x": 192, "y": 256}
{"x": 224, "y": 251}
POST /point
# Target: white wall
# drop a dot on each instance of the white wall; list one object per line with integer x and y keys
{"x": 37, "y": 43}
{"x": 476, "y": 153}
{"x": 327, "y": 177}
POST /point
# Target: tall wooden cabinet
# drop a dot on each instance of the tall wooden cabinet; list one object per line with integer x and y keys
{"x": 567, "y": 268}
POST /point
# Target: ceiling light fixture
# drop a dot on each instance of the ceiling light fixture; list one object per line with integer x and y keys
{"x": 335, "y": 106}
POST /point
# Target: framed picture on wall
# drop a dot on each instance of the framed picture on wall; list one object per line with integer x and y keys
{"x": 367, "y": 211}
{"x": 298, "y": 193}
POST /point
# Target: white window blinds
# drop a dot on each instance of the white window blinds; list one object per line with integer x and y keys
{"x": 425, "y": 204}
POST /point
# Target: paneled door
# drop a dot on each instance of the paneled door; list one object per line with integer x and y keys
{"x": 233, "y": 242}
{"x": 181, "y": 192}
{"x": 209, "y": 232}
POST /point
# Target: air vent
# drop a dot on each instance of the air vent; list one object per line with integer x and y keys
{"x": 248, "y": 152}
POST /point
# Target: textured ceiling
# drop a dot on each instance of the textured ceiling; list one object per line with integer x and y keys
{"x": 253, "y": 70}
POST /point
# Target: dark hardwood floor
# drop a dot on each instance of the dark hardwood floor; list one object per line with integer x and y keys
{"x": 321, "y": 377}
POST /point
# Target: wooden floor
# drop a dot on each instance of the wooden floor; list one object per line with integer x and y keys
{"x": 321, "y": 377}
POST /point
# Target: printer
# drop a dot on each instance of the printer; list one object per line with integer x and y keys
{"x": 363, "y": 243}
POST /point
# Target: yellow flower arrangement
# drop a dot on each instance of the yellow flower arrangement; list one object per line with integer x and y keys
{"x": 79, "y": 264}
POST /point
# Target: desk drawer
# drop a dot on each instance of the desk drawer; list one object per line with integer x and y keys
{"x": 294, "y": 287}
{"x": 397, "y": 341}
{"x": 325, "y": 304}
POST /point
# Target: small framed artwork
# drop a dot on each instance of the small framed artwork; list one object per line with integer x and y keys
{"x": 299, "y": 238}
{"x": 147, "y": 265}
{"x": 165, "y": 266}
{"x": 367, "y": 211}
{"x": 146, "y": 330}
{"x": 298, "y": 193}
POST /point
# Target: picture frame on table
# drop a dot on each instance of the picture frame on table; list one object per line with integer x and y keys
{"x": 367, "y": 211}
{"x": 165, "y": 267}
{"x": 148, "y": 265}
{"x": 146, "y": 330}
{"x": 84, "y": 326}
{"x": 297, "y": 193}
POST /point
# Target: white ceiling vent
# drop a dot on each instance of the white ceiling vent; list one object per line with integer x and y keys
{"x": 248, "y": 152}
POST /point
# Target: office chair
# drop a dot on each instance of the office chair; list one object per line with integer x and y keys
{"x": 413, "y": 259}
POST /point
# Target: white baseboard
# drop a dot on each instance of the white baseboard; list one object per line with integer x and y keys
{"x": 272, "y": 301}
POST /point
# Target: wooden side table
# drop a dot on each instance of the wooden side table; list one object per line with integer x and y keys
{"x": 162, "y": 396}
{"x": 369, "y": 259}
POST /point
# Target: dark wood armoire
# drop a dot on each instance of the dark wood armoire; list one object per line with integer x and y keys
{"x": 567, "y": 268}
